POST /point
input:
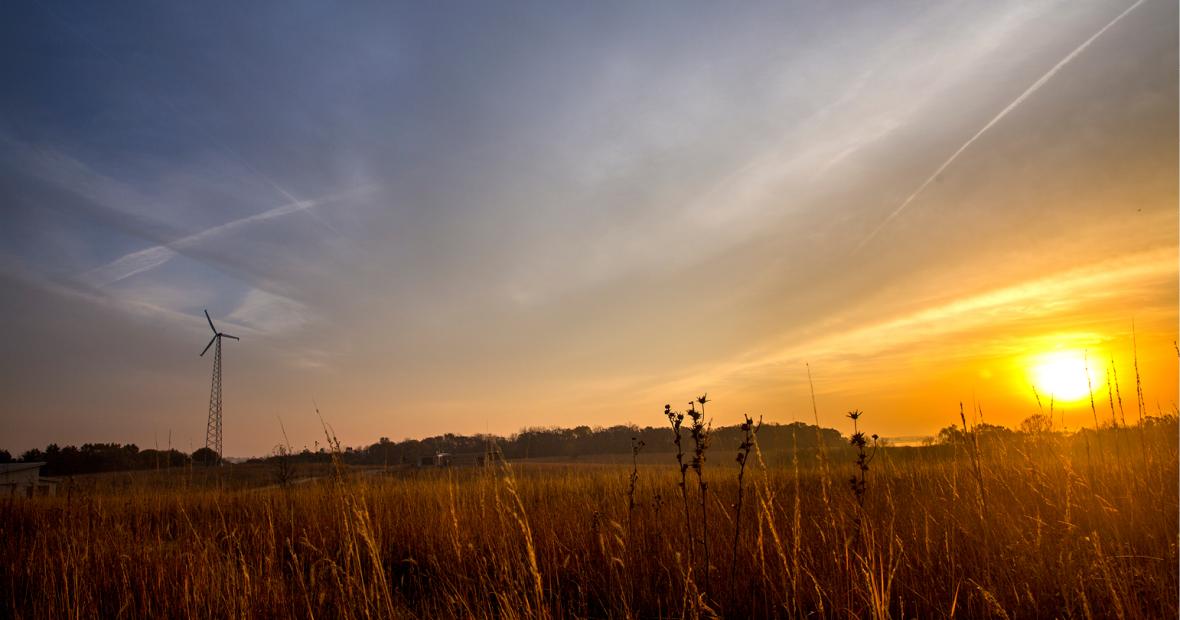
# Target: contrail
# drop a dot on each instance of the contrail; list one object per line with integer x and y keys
{"x": 150, "y": 258}
{"x": 1011, "y": 106}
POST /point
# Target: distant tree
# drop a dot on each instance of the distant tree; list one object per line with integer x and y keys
{"x": 5, "y": 456}
{"x": 992, "y": 431}
{"x": 32, "y": 456}
{"x": 1036, "y": 424}
{"x": 284, "y": 466}
{"x": 69, "y": 462}
{"x": 205, "y": 456}
{"x": 1162, "y": 419}
{"x": 950, "y": 435}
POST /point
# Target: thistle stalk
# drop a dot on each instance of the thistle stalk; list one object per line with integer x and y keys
{"x": 863, "y": 457}
{"x": 699, "y": 430}
{"x": 676, "y": 419}
{"x": 749, "y": 430}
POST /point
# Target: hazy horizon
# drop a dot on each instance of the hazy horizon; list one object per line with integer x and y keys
{"x": 482, "y": 218}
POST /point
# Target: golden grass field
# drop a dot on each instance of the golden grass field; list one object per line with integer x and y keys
{"x": 1080, "y": 526}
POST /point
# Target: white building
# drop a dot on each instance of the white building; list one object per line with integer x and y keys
{"x": 442, "y": 459}
{"x": 25, "y": 479}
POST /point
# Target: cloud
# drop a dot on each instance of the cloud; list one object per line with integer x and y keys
{"x": 1028, "y": 92}
{"x": 813, "y": 118}
{"x": 150, "y": 258}
{"x": 1091, "y": 288}
{"x": 130, "y": 264}
{"x": 268, "y": 313}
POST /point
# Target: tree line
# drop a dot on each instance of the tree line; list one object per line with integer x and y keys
{"x": 536, "y": 442}
{"x": 98, "y": 457}
{"x": 528, "y": 443}
{"x": 578, "y": 442}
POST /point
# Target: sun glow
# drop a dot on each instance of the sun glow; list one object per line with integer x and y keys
{"x": 1062, "y": 375}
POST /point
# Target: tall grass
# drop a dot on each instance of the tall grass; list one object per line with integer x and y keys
{"x": 1059, "y": 535}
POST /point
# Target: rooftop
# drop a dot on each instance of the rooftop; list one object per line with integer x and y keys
{"x": 11, "y": 467}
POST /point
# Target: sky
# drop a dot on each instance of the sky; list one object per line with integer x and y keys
{"x": 424, "y": 218}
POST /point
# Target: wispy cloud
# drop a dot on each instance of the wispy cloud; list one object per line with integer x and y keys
{"x": 996, "y": 119}
{"x": 269, "y": 313}
{"x": 149, "y": 258}
{"x": 805, "y": 152}
{"x": 144, "y": 305}
{"x": 1056, "y": 296}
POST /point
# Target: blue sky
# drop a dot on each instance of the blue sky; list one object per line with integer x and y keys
{"x": 469, "y": 216}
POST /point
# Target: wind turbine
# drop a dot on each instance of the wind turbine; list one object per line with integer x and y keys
{"x": 213, "y": 429}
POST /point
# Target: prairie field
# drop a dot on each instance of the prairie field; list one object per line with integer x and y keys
{"x": 1051, "y": 525}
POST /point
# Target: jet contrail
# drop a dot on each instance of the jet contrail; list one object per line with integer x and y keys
{"x": 149, "y": 258}
{"x": 1011, "y": 106}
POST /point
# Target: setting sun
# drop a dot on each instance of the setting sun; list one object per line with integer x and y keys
{"x": 1062, "y": 375}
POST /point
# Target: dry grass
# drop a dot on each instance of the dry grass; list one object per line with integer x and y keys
{"x": 1071, "y": 527}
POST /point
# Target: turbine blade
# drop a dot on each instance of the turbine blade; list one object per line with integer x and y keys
{"x": 207, "y": 346}
{"x": 229, "y": 336}
{"x": 210, "y": 322}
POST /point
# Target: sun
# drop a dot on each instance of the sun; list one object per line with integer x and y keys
{"x": 1062, "y": 375}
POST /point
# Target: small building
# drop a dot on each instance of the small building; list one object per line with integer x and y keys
{"x": 25, "y": 479}
{"x": 470, "y": 459}
{"x": 442, "y": 459}
{"x": 461, "y": 459}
